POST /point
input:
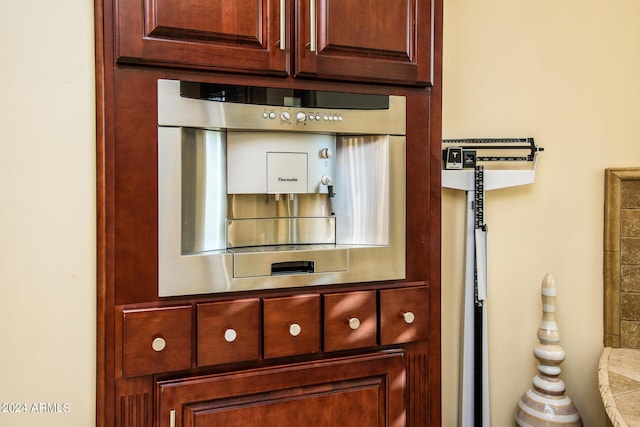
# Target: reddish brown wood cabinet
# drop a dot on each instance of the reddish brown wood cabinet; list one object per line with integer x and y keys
{"x": 291, "y": 325}
{"x": 228, "y": 35}
{"x": 367, "y": 40}
{"x": 228, "y": 331}
{"x": 156, "y": 340}
{"x": 366, "y": 390}
{"x": 350, "y": 320}
{"x": 403, "y": 315}
{"x": 356, "y": 354}
{"x": 357, "y": 40}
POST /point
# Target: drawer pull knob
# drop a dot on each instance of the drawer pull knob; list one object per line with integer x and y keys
{"x": 295, "y": 329}
{"x": 158, "y": 344}
{"x": 230, "y": 335}
{"x": 354, "y": 323}
{"x": 408, "y": 317}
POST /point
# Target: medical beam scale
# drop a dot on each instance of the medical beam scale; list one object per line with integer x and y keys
{"x": 475, "y": 166}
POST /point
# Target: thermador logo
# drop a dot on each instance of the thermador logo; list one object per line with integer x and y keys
{"x": 281, "y": 179}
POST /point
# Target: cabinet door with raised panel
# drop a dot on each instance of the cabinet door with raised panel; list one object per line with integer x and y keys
{"x": 230, "y": 35}
{"x": 359, "y": 391}
{"x": 365, "y": 40}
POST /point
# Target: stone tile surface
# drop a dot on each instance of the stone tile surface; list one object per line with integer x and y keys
{"x": 630, "y": 306}
{"x": 625, "y": 362}
{"x": 629, "y": 407}
{"x": 630, "y": 250}
{"x": 630, "y": 278}
{"x": 622, "y": 384}
{"x": 619, "y": 383}
{"x": 630, "y": 223}
{"x": 630, "y": 194}
{"x": 630, "y": 334}
{"x": 619, "y": 368}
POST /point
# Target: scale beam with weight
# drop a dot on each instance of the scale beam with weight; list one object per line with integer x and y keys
{"x": 477, "y": 166}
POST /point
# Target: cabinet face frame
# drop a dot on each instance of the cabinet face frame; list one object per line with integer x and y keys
{"x": 131, "y": 223}
{"x": 113, "y": 391}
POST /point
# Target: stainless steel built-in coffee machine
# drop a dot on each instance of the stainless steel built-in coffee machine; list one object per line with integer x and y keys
{"x": 268, "y": 188}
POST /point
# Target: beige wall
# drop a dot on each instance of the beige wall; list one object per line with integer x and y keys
{"x": 566, "y": 73}
{"x": 47, "y": 212}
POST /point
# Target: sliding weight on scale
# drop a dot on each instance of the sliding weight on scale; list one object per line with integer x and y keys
{"x": 469, "y": 166}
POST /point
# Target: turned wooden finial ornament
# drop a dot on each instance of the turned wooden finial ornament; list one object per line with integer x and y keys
{"x": 545, "y": 403}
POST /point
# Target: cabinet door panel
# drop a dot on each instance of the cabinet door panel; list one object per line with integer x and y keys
{"x": 367, "y": 40}
{"x": 353, "y": 404}
{"x": 224, "y": 34}
{"x": 359, "y": 391}
{"x": 206, "y": 20}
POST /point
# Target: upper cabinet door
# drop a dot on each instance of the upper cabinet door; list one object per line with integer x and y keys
{"x": 365, "y": 40}
{"x": 230, "y": 35}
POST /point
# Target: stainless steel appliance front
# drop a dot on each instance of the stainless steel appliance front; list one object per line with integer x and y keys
{"x": 255, "y": 196}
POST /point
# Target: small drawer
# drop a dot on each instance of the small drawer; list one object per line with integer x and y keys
{"x": 156, "y": 340}
{"x": 350, "y": 320}
{"x": 404, "y": 315}
{"x": 291, "y": 325}
{"x": 228, "y": 331}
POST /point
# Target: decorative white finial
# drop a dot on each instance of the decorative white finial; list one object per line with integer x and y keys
{"x": 545, "y": 404}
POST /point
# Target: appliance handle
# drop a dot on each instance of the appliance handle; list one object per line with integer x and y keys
{"x": 283, "y": 32}
{"x": 313, "y": 41}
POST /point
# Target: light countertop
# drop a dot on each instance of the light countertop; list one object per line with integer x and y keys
{"x": 619, "y": 381}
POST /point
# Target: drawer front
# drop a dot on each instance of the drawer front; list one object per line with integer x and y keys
{"x": 228, "y": 331}
{"x": 156, "y": 340}
{"x": 291, "y": 325}
{"x": 350, "y": 320}
{"x": 404, "y": 315}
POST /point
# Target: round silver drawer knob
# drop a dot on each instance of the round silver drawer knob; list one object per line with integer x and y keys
{"x": 230, "y": 335}
{"x": 354, "y": 323}
{"x": 295, "y": 329}
{"x": 158, "y": 344}
{"x": 408, "y": 317}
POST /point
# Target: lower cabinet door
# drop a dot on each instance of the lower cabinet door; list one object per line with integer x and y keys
{"x": 357, "y": 391}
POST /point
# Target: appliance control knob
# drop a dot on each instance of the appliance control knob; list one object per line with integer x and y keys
{"x": 230, "y": 335}
{"x": 326, "y": 153}
{"x": 409, "y": 317}
{"x": 285, "y": 116}
{"x": 272, "y": 115}
{"x": 301, "y": 116}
